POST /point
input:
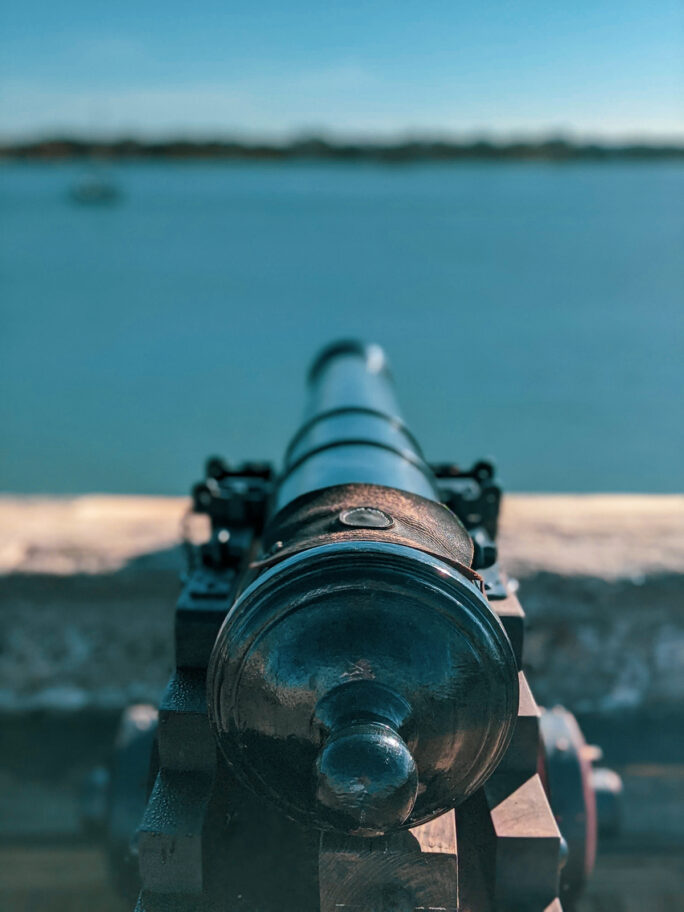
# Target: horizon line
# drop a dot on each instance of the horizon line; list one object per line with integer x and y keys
{"x": 343, "y": 136}
{"x": 555, "y": 147}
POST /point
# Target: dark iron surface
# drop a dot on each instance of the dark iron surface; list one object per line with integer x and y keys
{"x": 353, "y": 431}
{"x": 363, "y": 686}
{"x": 362, "y": 682}
{"x": 361, "y": 512}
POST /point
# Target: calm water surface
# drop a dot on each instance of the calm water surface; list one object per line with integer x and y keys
{"x": 531, "y": 312}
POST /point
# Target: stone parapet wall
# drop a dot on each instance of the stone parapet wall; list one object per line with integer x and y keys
{"x": 88, "y": 585}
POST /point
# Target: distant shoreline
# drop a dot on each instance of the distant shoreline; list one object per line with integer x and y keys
{"x": 547, "y": 150}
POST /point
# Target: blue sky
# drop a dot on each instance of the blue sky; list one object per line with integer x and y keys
{"x": 603, "y": 69}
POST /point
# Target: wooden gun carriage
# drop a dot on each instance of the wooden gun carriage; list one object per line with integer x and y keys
{"x": 349, "y": 727}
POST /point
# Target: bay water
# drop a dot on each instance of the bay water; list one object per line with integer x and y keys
{"x": 531, "y": 312}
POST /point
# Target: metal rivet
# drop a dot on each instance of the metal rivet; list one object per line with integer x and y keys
{"x": 366, "y": 518}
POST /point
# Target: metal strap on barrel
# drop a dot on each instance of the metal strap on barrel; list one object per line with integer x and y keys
{"x": 392, "y": 420}
{"x": 408, "y": 455}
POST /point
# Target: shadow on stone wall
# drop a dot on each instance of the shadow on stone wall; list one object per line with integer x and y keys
{"x": 75, "y": 649}
{"x": 103, "y": 640}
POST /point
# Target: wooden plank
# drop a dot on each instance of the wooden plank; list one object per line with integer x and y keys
{"x": 527, "y": 843}
{"x": 170, "y": 840}
{"x": 511, "y": 614}
{"x": 412, "y": 870}
{"x": 438, "y": 835}
{"x": 523, "y": 752}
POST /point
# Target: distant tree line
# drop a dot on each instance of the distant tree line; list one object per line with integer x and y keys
{"x": 557, "y": 150}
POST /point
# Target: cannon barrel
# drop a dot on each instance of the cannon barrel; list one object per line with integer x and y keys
{"x": 361, "y": 681}
{"x": 353, "y": 430}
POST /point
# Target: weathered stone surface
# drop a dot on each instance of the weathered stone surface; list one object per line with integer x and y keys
{"x": 609, "y": 536}
{"x": 88, "y": 587}
{"x": 87, "y": 592}
{"x": 603, "y": 536}
{"x": 602, "y": 585}
{"x": 92, "y": 534}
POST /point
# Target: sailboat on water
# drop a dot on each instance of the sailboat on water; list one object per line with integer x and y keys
{"x": 95, "y": 188}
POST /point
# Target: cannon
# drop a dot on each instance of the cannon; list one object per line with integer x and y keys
{"x": 349, "y": 727}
